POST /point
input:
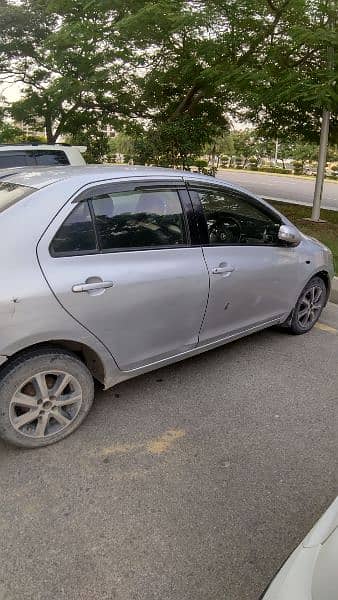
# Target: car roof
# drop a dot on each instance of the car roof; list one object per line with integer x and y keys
{"x": 39, "y": 177}
{"x": 33, "y": 146}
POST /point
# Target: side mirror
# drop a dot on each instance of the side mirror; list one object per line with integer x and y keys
{"x": 289, "y": 234}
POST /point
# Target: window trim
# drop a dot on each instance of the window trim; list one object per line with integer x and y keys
{"x": 88, "y": 194}
{"x": 195, "y": 187}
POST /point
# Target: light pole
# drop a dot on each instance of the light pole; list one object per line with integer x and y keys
{"x": 325, "y": 126}
{"x": 324, "y": 138}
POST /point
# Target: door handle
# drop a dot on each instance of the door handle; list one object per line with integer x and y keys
{"x": 223, "y": 270}
{"x": 94, "y": 285}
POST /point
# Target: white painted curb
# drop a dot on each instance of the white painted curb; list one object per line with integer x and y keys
{"x": 334, "y": 291}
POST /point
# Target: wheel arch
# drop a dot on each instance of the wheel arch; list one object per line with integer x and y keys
{"x": 324, "y": 275}
{"x": 101, "y": 367}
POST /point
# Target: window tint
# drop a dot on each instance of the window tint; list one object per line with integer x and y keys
{"x": 139, "y": 219}
{"x": 232, "y": 219}
{"x": 14, "y": 159}
{"x": 76, "y": 233}
{"x": 50, "y": 157}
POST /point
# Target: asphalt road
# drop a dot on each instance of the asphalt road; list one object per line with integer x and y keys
{"x": 190, "y": 483}
{"x": 294, "y": 189}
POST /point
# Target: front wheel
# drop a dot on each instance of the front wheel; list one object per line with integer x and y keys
{"x": 309, "y": 307}
{"x": 44, "y": 396}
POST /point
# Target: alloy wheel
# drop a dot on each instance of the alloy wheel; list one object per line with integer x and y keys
{"x": 45, "y": 404}
{"x": 310, "y": 306}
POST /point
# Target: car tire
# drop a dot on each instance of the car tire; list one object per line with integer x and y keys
{"x": 45, "y": 394}
{"x": 309, "y": 307}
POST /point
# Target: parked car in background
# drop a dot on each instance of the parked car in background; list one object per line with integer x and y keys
{"x": 33, "y": 154}
{"x": 110, "y": 272}
{"x": 311, "y": 573}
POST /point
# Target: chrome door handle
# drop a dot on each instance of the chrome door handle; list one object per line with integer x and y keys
{"x": 89, "y": 287}
{"x": 222, "y": 270}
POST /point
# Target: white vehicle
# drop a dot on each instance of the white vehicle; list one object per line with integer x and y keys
{"x": 34, "y": 154}
{"x": 311, "y": 572}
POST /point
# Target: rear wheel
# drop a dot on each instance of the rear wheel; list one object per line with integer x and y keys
{"x": 309, "y": 306}
{"x": 45, "y": 395}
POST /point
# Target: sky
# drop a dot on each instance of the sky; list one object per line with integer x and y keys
{"x": 11, "y": 91}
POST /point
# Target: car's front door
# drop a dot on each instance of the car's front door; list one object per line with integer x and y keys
{"x": 121, "y": 261}
{"x": 252, "y": 275}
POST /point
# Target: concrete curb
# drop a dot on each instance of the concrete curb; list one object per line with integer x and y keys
{"x": 334, "y": 291}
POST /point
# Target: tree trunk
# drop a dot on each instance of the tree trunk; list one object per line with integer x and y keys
{"x": 49, "y": 130}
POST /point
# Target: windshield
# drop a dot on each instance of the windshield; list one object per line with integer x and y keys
{"x": 10, "y": 193}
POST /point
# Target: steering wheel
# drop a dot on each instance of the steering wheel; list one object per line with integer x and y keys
{"x": 225, "y": 232}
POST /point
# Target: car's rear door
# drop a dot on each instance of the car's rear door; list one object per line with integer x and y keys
{"x": 252, "y": 275}
{"x": 121, "y": 260}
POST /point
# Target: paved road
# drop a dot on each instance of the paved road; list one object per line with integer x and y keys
{"x": 292, "y": 188}
{"x": 190, "y": 483}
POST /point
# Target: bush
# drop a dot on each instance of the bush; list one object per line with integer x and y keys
{"x": 200, "y": 164}
{"x": 253, "y": 161}
{"x": 297, "y": 167}
{"x": 225, "y": 161}
{"x": 274, "y": 170}
{"x": 334, "y": 169}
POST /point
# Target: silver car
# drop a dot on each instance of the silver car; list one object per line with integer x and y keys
{"x": 109, "y": 272}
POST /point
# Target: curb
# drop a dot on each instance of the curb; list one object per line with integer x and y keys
{"x": 334, "y": 291}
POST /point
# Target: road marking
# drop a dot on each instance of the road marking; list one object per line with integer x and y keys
{"x": 327, "y": 328}
{"x": 158, "y": 445}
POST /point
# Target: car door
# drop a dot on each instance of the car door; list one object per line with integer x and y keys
{"x": 121, "y": 261}
{"x": 252, "y": 274}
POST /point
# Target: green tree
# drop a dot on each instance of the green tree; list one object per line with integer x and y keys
{"x": 122, "y": 143}
{"x": 9, "y": 133}
{"x": 68, "y": 57}
{"x": 170, "y": 69}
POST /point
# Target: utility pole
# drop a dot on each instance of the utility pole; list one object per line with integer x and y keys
{"x": 325, "y": 126}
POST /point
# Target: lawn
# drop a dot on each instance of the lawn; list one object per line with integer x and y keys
{"x": 325, "y": 232}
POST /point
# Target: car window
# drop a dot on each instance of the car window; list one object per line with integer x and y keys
{"x": 50, "y": 157}
{"x": 76, "y": 234}
{"x": 15, "y": 159}
{"x": 139, "y": 219}
{"x": 233, "y": 219}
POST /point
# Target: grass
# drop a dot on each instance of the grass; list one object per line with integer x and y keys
{"x": 326, "y": 232}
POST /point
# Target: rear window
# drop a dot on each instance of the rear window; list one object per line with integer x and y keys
{"x": 10, "y": 193}
{"x": 15, "y": 159}
{"x": 50, "y": 157}
{"x": 27, "y": 158}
